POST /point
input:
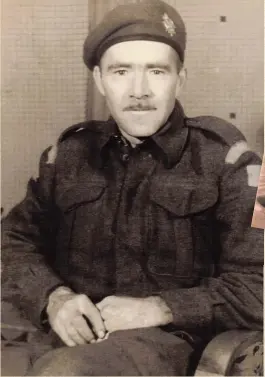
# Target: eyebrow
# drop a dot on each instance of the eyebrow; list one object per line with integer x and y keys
{"x": 114, "y": 66}
{"x": 165, "y": 67}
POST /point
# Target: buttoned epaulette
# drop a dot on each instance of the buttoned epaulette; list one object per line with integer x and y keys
{"x": 80, "y": 127}
{"x": 224, "y": 130}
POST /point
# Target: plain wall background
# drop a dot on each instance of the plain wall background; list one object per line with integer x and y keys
{"x": 46, "y": 87}
{"x": 43, "y": 83}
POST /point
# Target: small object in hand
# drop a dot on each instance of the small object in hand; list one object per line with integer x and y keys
{"x": 101, "y": 339}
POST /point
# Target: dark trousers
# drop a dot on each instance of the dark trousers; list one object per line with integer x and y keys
{"x": 138, "y": 352}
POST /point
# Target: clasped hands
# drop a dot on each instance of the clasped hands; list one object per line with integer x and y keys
{"x": 76, "y": 320}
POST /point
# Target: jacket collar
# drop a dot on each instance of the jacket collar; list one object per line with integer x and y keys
{"x": 172, "y": 137}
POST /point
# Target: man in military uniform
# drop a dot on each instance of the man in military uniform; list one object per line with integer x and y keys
{"x": 135, "y": 242}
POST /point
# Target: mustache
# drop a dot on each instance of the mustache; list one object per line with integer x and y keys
{"x": 139, "y": 107}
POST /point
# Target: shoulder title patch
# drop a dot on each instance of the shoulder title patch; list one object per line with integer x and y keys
{"x": 253, "y": 172}
{"x": 52, "y": 155}
{"x": 236, "y": 151}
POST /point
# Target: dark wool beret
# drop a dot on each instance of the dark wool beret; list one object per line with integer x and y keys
{"x": 151, "y": 20}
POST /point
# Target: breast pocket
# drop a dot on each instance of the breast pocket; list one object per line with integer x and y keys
{"x": 175, "y": 206}
{"x": 80, "y": 208}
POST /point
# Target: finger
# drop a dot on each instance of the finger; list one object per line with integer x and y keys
{"x": 107, "y": 301}
{"x": 105, "y": 314}
{"x": 74, "y": 335}
{"x": 62, "y": 333}
{"x": 101, "y": 305}
{"x": 110, "y": 311}
{"x": 91, "y": 312}
{"x": 83, "y": 329}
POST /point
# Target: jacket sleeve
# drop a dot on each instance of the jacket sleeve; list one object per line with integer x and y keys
{"x": 28, "y": 233}
{"x": 232, "y": 298}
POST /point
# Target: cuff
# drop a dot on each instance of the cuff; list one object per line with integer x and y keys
{"x": 34, "y": 297}
{"x": 191, "y": 308}
{"x": 44, "y": 321}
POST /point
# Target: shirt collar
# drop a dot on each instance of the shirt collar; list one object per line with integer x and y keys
{"x": 170, "y": 139}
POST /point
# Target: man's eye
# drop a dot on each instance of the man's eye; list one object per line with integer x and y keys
{"x": 120, "y": 72}
{"x": 157, "y": 72}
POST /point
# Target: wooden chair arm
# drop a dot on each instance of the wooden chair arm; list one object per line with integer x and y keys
{"x": 226, "y": 349}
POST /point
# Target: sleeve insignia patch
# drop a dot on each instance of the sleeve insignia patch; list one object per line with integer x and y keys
{"x": 253, "y": 172}
{"x": 52, "y": 155}
{"x": 236, "y": 151}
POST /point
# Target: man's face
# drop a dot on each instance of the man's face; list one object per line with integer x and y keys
{"x": 140, "y": 80}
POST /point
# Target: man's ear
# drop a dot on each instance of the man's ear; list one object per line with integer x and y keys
{"x": 181, "y": 81}
{"x": 98, "y": 79}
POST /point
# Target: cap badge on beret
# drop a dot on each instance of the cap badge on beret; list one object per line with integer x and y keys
{"x": 169, "y": 25}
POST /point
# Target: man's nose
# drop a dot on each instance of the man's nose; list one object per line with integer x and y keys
{"x": 140, "y": 86}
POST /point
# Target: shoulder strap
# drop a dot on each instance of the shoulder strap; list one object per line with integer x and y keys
{"x": 224, "y": 130}
{"x": 73, "y": 129}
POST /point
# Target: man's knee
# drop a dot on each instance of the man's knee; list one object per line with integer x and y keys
{"x": 132, "y": 352}
{"x": 62, "y": 361}
{"x": 15, "y": 361}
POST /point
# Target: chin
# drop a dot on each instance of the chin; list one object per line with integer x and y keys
{"x": 143, "y": 134}
{"x": 141, "y": 131}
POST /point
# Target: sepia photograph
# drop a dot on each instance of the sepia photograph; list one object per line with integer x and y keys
{"x": 133, "y": 189}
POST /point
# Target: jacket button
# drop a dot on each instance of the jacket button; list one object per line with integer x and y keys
{"x": 125, "y": 157}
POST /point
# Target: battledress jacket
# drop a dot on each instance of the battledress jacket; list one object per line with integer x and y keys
{"x": 171, "y": 217}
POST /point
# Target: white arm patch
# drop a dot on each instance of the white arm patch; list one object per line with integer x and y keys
{"x": 52, "y": 155}
{"x": 236, "y": 151}
{"x": 253, "y": 175}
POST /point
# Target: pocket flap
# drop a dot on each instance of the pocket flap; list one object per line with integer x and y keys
{"x": 184, "y": 196}
{"x": 81, "y": 192}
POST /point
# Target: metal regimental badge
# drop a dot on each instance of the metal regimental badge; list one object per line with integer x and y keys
{"x": 169, "y": 25}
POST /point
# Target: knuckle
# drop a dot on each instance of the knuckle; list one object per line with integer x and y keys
{"x": 83, "y": 301}
{"x": 83, "y": 297}
{"x": 64, "y": 310}
{"x": 69, "y": 303}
